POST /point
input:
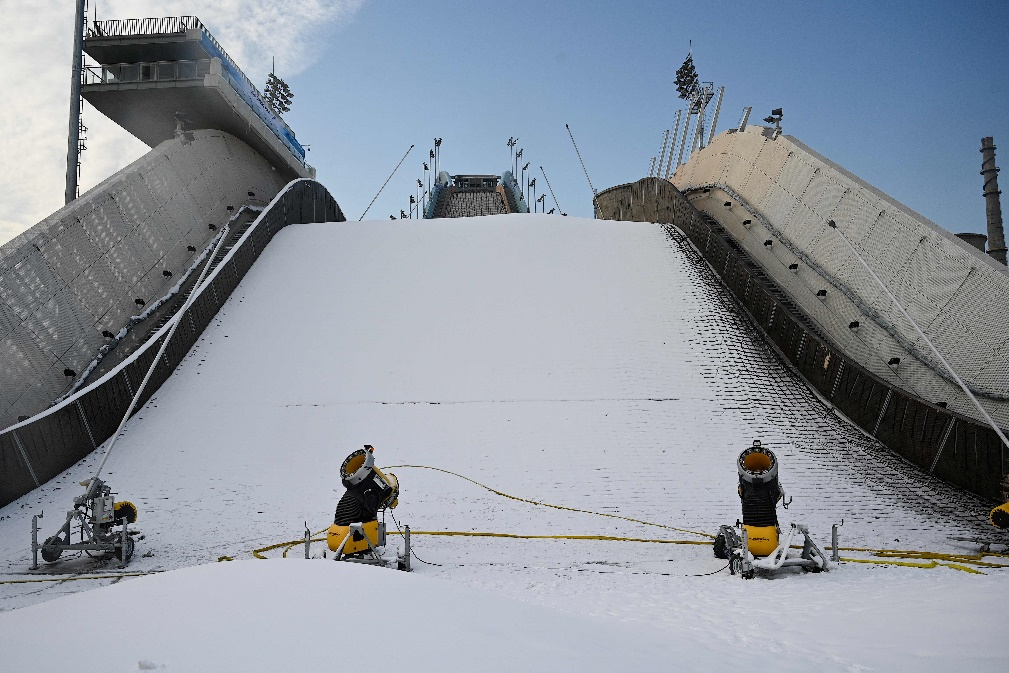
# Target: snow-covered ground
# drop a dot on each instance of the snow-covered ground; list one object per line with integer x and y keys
{"x": 592, "y": 365}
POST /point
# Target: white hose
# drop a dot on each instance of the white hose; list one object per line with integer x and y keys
{"x": 164, "y": 344}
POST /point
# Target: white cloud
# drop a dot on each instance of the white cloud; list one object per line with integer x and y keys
{"x": 35, "y": 85}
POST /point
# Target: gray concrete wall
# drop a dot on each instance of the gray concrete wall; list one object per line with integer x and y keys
{"x": 959, "y": 296}
{"x": 79, "y": 272}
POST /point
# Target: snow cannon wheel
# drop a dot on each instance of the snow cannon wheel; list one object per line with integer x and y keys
{"x": 130, "y": 546}
{"x": 51, "y": 552}
{"x": 1000, "y": 516}
{"x": 721, "y": 547}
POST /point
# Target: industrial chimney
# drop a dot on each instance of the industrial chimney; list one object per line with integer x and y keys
{"x": 993, "y": 209}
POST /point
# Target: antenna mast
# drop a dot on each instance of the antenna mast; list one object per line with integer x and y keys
{"x": 554, "y": 197}
{"x": 585, "y": 170}
{"x": 385, "y": 183}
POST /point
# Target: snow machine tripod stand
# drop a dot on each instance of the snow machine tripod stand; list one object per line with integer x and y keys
{"x": 755, "y": 542}
{"x": 102, "y": 523}
{"x": 372, "y": 556}
{"x": 743, "y": 563}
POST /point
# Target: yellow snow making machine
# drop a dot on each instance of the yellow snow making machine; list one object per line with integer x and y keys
{"x": 757, "y": 542}
{"x": 999, "y": 516}
{"x": 356, "y": 533}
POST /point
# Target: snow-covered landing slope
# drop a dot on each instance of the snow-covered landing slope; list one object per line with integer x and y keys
{"x": 588, "y": 364}
{"x": 315, "y": 616}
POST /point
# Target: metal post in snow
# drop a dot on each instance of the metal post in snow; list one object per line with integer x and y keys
{"x": 35, "y": 542}
{"x": 835, "y": 555}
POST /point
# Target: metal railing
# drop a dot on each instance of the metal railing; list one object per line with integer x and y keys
{"x": 165, "y": 25}
{"x": 231, "y": 72}
{"x": 158, "y": 71}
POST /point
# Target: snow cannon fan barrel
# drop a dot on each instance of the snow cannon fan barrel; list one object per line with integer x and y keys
{"x": 759, "y": 491}
{"x": 369, "y": 491}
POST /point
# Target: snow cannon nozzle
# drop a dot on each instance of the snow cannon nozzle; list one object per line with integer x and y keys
{"x": 757, "y": 464}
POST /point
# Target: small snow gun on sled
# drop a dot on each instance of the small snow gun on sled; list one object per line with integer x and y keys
{"x": 356, "y": 533}
{"x": 757, "y": 542}
{"x": 101, "y": 523}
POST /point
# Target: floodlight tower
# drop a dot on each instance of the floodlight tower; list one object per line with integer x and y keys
{"x": 698, "y": 95}
{"x": 76, "y": 125}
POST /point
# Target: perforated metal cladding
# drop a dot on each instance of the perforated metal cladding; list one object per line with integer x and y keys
{"x": 959, "y": 296}
{"x": 81, "y": 271}
{"x": 56, "y": 440}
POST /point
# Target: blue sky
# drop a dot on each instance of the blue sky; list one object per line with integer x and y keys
{"x": 899, "y": 93}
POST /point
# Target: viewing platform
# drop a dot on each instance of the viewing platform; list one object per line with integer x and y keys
{"x": 157, "y": 76}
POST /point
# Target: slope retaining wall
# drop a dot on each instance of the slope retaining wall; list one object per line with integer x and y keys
{"x": 36, "y": 450}
{"x": 970, "y": 455}
{"x": 72, "y": 281}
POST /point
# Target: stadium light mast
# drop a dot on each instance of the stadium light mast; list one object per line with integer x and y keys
{"x": 698, "y": 95}
{"x": 76, "y": 125}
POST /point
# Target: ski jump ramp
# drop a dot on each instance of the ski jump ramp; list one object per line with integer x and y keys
{"x": 596, "y": 365}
